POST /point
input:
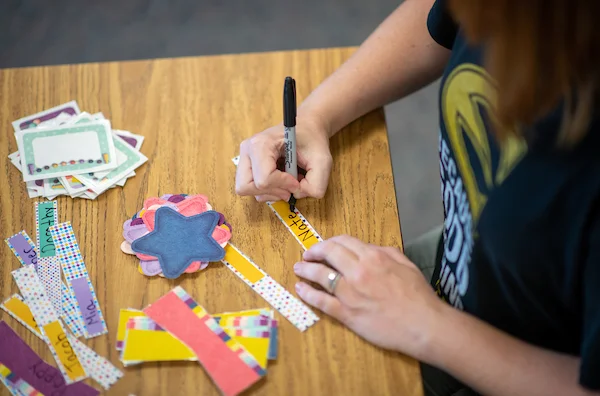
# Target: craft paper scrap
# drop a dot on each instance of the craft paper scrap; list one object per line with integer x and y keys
{"x": 23, "y": 361}
{"x": 66, "y": 150}
{"x": 46, "y": 215}
{"x": 230, "y": 366}
{"x": 300, "y": 228}
{"x": 99, "y": 369}
{"x": 124, "y": 316}
{"x": 15, "y": 383}
{"x": 49, "y": 324}
{"x": 289, "y": 306}
{"x": 78, "y": 279}
{"x": 22, "y": 246}
{"x": 16, "y": 307}
{"x": 70, "y": 312}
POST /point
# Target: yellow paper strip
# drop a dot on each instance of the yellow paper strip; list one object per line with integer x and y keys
{"x": 152, "y": 346}
{"x": 242, "y": 264}
{"x": 304, "y": 233}
{"x": 16, "y": 308}
{"x": 56, "y": 334}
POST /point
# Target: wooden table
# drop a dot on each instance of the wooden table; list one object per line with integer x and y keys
{"x": 194, "y": 112}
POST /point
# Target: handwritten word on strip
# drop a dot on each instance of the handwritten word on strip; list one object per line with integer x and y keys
{"x": 49, "y": 324}
{"x": 22, "y": 246}
{"x": 300, "y": 228}
{"x": 46, "y": 215}
{"x": 78, "y": 279}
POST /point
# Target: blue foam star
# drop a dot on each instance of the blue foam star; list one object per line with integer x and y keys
{"x": 177, "y": 241}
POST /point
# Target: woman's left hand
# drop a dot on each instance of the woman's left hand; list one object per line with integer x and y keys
{"x": 380, "y": 295}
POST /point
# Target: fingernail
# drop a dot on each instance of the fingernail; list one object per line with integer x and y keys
{"x": 297, "y": 267}
{"x": 298, "y": 287}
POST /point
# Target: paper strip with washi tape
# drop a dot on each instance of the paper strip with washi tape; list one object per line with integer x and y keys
{"x": 227, "y": 362}
{"x": 70, "y": 312}
{"x": 289, "y": 306}
{"x": 78, "y": 279}
{"x": 46, "y": 215}
{"x": 14, "y": 381}
{"x": 49, "y": 325}
{"x": 295, "y": 222}
{"x": 97, "y": 367}
{"x": 22, "y": 246}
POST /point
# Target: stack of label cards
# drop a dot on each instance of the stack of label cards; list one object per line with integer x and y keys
{"x": 63, "y": 151}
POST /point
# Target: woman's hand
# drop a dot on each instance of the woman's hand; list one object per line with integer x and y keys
{"x": 381, "y": 295}
{"x": 257, "y": 172}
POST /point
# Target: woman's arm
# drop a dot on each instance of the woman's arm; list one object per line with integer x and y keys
{"x": 496, "y": 363}
{"x": 397, "y": 59}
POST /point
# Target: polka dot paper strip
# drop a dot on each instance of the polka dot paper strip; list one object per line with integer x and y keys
{"x": 49, "y": 325}
{"x": 78, "y": 279}
{"x": 289, "y": 306}
{"x": 16, "y": 307}
{"x": 101, "y": 370}
{"x": 48, "y": 270}
{"x": 70, "y": 312}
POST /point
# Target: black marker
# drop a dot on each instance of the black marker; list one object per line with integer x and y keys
{"x": 289, "y": 130}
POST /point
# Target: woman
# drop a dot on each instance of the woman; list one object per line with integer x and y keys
{"x": 515, "y": 306}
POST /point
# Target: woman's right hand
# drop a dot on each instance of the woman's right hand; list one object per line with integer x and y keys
{"x": 257, "y": 172}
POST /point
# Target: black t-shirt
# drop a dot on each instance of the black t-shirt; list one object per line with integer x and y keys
{"x": 521, "y": 243}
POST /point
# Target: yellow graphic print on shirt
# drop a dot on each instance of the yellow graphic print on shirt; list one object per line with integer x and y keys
{"x": 472, "y": 164}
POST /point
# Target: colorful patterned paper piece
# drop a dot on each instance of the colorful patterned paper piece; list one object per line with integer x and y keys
{"x": 230, "y": 366}
{"x": 14, "y": 382}
{"x": 46, "y": 215}
{"x": 21, "y": 359}
{"x": 124, "y": 316}
{"x": 22, "y": 246}
{"x": 99, "y": 369}
{"x": 296, "y": 223}
{"x": 70, "y": 312}
{"x": 78, "y": 279}
{"x": 289, "y": 306}
{"x": 48, "y": 270}
{"x": 49, "y": 324}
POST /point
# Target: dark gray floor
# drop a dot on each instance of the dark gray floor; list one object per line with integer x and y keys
{"x": 46, "y": 32}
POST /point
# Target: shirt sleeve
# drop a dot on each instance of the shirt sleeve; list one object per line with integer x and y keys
{"x": 441, "y": 25}
{"x": 589, "y": 376}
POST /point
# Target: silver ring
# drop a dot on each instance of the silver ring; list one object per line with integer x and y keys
{"x": 334, "y": 278}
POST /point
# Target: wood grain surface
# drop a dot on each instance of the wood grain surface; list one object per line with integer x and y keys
{"x": 194, "y": 112}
